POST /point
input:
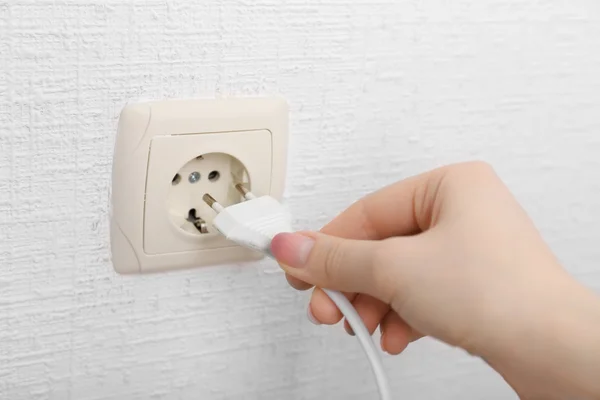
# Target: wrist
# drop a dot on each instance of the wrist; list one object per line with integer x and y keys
{"x": 552, "y": 347}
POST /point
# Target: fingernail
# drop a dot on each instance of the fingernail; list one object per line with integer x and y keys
{"x": 292, "y": 249}
{"x": 348, "y": 328}
{"x": 311, "y": 317}
{"x": 382, "y": 345}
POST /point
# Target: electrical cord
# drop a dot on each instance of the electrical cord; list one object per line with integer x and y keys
{"x": 253, "y": 224}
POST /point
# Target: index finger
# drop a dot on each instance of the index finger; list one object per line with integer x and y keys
{"x": 403, "y": 208}
{"x": 382, "y": 214}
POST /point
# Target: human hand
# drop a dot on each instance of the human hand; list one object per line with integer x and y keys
{"x": 448, "y": 254}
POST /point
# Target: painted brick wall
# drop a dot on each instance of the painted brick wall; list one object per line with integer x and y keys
{"x": 378, "y": 90}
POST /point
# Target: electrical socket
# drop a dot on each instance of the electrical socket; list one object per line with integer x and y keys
{"x": 168, "y": 154}
{"x": 214, "y": 173}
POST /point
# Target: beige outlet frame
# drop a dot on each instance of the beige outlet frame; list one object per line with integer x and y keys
{"x": 154, "y": 140}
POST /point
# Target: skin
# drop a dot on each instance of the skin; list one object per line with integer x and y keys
{"x": 451, "y": 254}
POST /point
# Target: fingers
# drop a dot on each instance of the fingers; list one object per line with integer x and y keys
{"x": 334, "y": 263}
{"x": 371, "y": 312}
{"x": 395, "y": 334}
{"x": 401, "y": 209}
{"x": 406, "y": 207}
{"x": 368, "y": 220}
{"x": 297, "y": 283}
{"x": 324, "y": 309}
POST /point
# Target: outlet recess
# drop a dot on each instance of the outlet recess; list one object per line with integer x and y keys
{"x": 213, "y": 173}
{"x": 167, "y": 155}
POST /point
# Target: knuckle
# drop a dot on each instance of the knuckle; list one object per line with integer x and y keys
{"x": 479, "y": 165}
{"x": 468, "y": 176}
{"x": 477, "y": 168}
{"x": 333, "y": 261}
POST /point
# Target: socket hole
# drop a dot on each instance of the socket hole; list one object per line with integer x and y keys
{"x": 214, "y": 176}
{"x": 176, "y": 179}
{"x": 192, "y": 215}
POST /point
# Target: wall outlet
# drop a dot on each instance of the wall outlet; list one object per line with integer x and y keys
{"x": 168, "y": 154}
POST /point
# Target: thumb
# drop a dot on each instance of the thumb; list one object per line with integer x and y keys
{"x": 335, "y": 263}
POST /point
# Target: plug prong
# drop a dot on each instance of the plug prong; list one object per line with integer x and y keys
{"x": 244, "y": 191}
{"x": 212, "y": 203}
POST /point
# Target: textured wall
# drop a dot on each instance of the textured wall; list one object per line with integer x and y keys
{"x": 378, "y": 90}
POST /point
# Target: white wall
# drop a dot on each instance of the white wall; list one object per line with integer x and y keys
{"x": 379, "y": 90}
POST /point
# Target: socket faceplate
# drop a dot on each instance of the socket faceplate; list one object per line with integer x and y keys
{"x": 155, "y": 141}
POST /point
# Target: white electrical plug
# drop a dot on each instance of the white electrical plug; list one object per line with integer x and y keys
{"x": 253, "y": 224}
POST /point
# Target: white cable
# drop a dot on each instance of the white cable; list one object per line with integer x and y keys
{"x": 253, "y": 224}
{"x": 363, "y": 336}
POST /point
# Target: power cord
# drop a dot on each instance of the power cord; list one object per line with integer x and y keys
{"x": 253, "y": 224}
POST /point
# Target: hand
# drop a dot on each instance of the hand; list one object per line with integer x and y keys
{"x": 449, "y": 254}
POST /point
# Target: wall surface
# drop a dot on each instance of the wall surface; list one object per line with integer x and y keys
{"x": 378, "y": 90}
